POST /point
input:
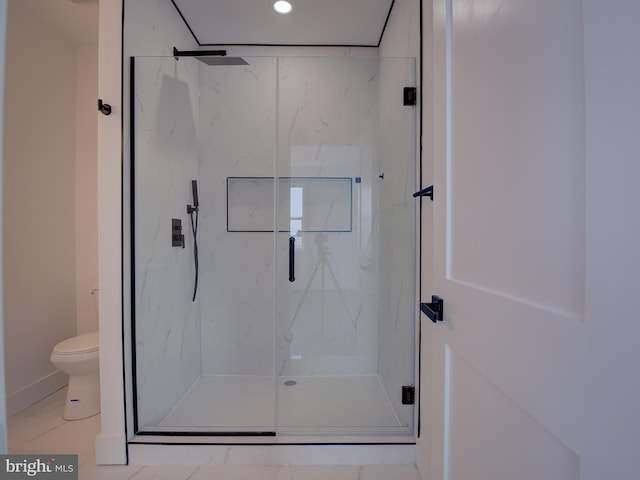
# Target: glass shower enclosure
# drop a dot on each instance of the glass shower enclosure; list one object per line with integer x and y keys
{"x": 273, "y": 245}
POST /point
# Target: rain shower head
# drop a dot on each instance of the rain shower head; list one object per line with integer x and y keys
{"x": 213, "y": 61}
{"x": 210, "y": 57}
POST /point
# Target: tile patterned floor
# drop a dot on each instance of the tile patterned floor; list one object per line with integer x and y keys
{"x": 41, "y": 429}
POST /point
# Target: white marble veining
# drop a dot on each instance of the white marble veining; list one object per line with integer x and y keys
{"x": 238, "y": 107}
{"x": 327, "y": 125}
{"x": 238, "y": 113}
{"x": 40, "y": 429}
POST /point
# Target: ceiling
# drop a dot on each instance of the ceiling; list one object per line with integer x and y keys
{"x": 77, "y": 21}
{"x": 311, "y": 22}
{"x": 240, "y": 22}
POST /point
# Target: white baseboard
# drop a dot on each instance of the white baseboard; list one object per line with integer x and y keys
{"x": 111, "y": 449}
{"x": 273, "y": 454}
{"x": 27, "y": 396}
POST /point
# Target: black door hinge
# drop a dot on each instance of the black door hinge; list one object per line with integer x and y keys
{"x": 408, "y": 395}
{"x": 409, "y": 96}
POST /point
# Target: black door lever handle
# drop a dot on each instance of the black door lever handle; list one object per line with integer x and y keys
{"x": 434, "y": 310}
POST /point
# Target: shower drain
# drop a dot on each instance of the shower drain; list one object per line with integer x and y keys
{"x": 290, "y": 383}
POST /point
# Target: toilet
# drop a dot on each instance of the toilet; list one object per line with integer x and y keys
{"x": 78, "y": 357}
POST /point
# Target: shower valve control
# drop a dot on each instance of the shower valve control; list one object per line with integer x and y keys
{"x": 177, "y": 237}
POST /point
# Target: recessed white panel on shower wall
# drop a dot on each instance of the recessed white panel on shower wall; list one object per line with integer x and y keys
{"x": 321, "y": 204}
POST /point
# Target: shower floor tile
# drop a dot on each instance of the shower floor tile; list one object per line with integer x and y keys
{"x": 313, "y": 405}
{"x": 228, "y": 402}
{"x": 334, "y": 402}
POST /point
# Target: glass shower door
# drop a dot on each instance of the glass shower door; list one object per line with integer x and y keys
{"x": 345, "y": 282}
{"x": 203, "y": 357}
{"x": 286, "y": 303}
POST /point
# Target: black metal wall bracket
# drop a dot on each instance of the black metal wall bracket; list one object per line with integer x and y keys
{"x": 104, "y": 108}
{"x": 425, "y": 192}
{"x": 434, "y": 310}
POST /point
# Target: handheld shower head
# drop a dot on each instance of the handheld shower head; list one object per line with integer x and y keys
{"x": 194, "y": 191}
{"x": 191, "y": 210}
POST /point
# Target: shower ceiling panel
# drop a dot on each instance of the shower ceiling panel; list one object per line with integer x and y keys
{"x": 312, "y": 22}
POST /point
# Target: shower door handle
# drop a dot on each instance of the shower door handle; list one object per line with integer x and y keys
{"x": 292, "y": 259}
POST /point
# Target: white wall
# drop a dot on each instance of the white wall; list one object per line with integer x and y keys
{"x": 86, "y": 188}
{"x": 111, "y": 443}
{"x": 38, "y": 210}
{"x": 66, "y": 199}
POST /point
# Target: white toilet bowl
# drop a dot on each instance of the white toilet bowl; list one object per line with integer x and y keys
{"x": 78, "y": 357}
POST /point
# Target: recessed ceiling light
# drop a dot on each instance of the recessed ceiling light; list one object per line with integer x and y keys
{"x": 282, "y": 7}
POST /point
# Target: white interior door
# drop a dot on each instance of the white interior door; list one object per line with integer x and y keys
{"x": 509, "y": 226}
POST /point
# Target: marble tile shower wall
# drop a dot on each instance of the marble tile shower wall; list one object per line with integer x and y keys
{"x": 166, "y": 159}
{"x": 327, "y": 125}
{"x": 326, "y": 122}
{"x": 237, "y": 118}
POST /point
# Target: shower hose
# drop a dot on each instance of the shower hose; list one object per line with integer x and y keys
{"x": 194, "y": 229}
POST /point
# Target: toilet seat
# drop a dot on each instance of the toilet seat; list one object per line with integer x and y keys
{"x": 81, "y": 344}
